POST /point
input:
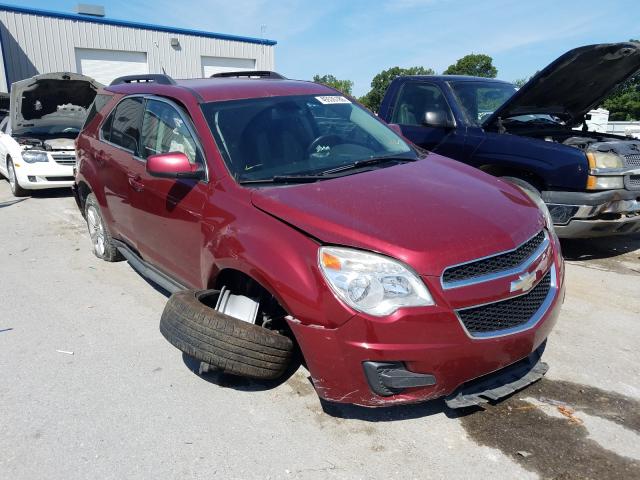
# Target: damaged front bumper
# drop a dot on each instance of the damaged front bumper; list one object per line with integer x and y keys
{"x": 416, "y": 355}
{"x": 594, "y": 214}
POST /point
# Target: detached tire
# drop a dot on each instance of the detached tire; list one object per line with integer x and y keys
{"x": 232, "y": 345}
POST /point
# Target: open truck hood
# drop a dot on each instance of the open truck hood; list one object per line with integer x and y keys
{"x": 431, "y": 214}
{"x": 51, "y": 101}
{"x": 573, "y": 84}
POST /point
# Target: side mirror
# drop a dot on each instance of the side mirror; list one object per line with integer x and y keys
{"x": 173, "y": 165}
{"x": 438, "y": 119}
{"x": 396, "y": 128}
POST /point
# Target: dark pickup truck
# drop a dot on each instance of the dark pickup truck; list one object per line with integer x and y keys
{"x": 590, "y": 181}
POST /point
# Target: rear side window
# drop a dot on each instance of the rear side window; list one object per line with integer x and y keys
{"x": 98, "y": 104}
{"x": 122, "y": 128}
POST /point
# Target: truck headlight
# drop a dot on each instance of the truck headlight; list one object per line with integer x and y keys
{"x": 604, "y": 160}
{"x": 31, "y": 156}
{"x": 605, "y": 183}
{"x": 371, "y": 283}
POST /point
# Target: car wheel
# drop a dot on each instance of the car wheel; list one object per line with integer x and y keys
{"x": 101, "y": 241}
{"x": 16, "y": 189}
{"x": 232, "y": 345}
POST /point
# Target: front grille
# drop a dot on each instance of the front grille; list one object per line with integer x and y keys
{"x": 634, "y": 181}
{"x": 633, "y": 160}
{"x": 67, "y": 160}
{"x": 505, "y": 314}
{"x": 494, "y": 264}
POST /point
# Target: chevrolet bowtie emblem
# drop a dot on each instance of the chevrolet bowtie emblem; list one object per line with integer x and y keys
{"x": 524, "y": 282}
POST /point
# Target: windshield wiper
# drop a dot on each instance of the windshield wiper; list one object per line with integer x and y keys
{"x": 366, "y": 163}
{"x": 287, "y": 179}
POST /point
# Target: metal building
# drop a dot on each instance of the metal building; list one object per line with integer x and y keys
{"x": 39, "y": 41}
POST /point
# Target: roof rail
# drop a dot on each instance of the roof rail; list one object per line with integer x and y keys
{"x": 159, "y": 78}
{"x": 249, "y": 74}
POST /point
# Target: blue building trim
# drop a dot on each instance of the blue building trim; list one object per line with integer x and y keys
{"x": 141, "y": 26}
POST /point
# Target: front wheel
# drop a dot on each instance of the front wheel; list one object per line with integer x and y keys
{"x": 16, "y": 189}
{"x": 103, "y": 246}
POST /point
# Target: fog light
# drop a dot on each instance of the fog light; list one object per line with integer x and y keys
{"x": 32, "y": 178}
{"x": 390, "y": 378}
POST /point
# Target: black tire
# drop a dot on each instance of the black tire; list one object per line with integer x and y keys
{"x": 16, "y": 189}
{"x": 234, "y": 346}
{"x": 92, "y": 213}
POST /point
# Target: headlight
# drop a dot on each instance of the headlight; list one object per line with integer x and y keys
{"x": 604, "y": 160}
{"x": 371, "y": 283}
{"x": 30, "y": 156}
{"x": 605, "y": 182}
{"x": 548, "y": 220}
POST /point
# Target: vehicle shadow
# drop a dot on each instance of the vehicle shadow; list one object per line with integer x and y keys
{"x": 51, "y": 193}
{"x": 394, "y": 413}
{"x": 599, "y": 248}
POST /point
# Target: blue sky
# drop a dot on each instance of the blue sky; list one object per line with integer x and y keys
{"x": 357, "y": 39}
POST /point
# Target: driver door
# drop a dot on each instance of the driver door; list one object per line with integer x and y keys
{"x": 414, "y": 100}
{"x": 167, "y": 212}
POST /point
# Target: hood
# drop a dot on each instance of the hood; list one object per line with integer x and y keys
{"x": 431, "y": 214}
{"x": 573, "y": 84}
{"x": 51, "y": 102}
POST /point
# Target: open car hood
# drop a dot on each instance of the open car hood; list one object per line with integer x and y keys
{"x": 573, "y": 84}
{"x": 51, "y": 100}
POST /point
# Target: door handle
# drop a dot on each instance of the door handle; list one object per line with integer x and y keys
{"x": 135, "y": 181}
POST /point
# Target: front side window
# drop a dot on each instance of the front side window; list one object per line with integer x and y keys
{"x": 124, "y": 124}
{"x": 481, "y": 99}
{"x": 415, "y": 99}
{"x": 164, "y": 130}
{"x": 298, "y": 135}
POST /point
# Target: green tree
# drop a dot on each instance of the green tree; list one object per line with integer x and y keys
{"x": 344, "y": 86}
{"x": 624, "y": 102}
{"x": 381, "y": 82}
{"x": 475, "y": 64}
{"x": 519, "y": 82}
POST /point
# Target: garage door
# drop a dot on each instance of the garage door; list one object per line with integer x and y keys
{"x": 105, "y": 65}
{"x": 211, "y": 65}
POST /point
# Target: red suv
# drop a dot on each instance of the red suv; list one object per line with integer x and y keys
{"x": 284, "y": 216}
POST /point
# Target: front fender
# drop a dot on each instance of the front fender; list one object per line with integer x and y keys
{"x": 280, "y": 258}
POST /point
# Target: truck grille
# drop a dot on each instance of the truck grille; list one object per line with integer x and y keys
{"x": 67, "y": 160}
{"x": 494, "y": 264}
{"x": 505, "y": 314}
{"x": 633, "y": 181}
{"x": 633, "y": 160}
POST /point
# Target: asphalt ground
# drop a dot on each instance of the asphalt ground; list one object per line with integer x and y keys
{"x": 90, "y": 389}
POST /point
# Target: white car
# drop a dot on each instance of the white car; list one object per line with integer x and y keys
{"x": 37, "y": 137}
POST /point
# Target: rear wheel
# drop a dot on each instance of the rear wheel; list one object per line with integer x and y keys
{"x": 16, "y": 189}
{"x": 101, "y": 241}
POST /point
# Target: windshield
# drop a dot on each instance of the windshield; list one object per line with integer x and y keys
{"x": 481, "y": 99}
{"x": 298, "y": 135}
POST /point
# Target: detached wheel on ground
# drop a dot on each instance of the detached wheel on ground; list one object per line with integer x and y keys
{"x": 16, "y": 189}
{"x": 101, "y": 242}
{"x": 232, "y": 345}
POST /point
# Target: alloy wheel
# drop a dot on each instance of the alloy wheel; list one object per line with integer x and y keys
{"x": 96, "y": 230}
